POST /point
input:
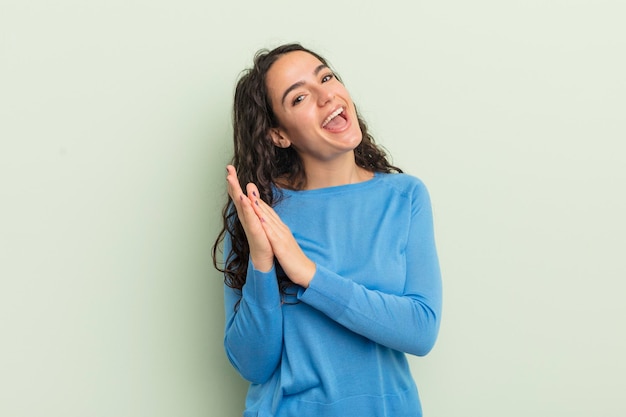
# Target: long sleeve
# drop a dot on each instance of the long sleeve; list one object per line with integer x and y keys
{"x": 338, "y": 347}
{"x": 407, "y": 321}
{"x": 253, "y": 336}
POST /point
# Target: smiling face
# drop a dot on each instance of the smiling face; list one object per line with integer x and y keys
{"x": 314, "y": 110}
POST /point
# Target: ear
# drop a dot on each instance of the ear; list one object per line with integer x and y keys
{"x": 279, "y": 138}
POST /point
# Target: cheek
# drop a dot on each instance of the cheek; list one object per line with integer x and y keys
{"x": 343, "y": 91}
{"x": 303, "y": 118}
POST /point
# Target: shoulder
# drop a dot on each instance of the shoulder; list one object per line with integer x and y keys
{"x": 407, "y": 188}
{"x": 406, "y": 184}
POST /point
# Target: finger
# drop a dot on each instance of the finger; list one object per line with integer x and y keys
{"x": 270, "y": 221}
{"x": 234, "y": 188}
{"x": 232, "y": 179}
{"x": 264, "y": 210}
{"x": 255, "y": 200}
{"x": 251, "y": 223}
{"x": 245, "y": 212}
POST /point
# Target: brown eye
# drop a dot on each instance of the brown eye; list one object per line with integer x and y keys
{"x": 298, "y": 99}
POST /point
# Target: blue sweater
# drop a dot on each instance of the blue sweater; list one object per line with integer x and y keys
{"x": 337, "y": 347}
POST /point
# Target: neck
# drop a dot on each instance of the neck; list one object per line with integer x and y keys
{"x": 342, "y": 171}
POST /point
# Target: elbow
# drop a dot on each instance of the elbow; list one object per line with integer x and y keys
{"x": 424, "y": 347}
{"x": 252, "y": 368}
{"x": 426, "y": 337}
{"x": 255, "y": 375}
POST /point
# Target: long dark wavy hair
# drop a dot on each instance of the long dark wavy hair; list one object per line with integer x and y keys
{"x": 259, "y": 161}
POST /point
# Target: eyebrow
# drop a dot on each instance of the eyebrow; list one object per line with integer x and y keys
{"x": 299, "y": 84}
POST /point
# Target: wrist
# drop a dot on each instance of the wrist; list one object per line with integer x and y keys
{"x": 305, "y": 274}
{"x": 262, "y": 264}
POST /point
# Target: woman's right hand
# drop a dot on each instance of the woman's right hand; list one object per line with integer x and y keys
{"x": 261, "y": 253}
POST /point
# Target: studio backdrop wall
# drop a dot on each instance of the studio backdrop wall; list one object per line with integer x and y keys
{"x": 115, "y": 131}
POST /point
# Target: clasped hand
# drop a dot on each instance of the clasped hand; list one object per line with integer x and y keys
{"x": 268, "y": 237}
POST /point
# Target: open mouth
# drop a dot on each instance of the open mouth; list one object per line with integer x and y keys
{"x": 336, "y": 120}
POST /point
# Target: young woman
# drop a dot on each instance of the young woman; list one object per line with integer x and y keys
{"x": 331, "y": 271}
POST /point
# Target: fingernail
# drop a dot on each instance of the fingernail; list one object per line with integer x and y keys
{"x": 241, "y": 197}
{"x": 256, "y": 202}
{"x": 254, "y": 193}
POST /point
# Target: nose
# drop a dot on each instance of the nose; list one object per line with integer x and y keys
{"x": 325, "y": 95}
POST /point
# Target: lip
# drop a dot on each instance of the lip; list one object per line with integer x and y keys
{"x": 342, "y": 113}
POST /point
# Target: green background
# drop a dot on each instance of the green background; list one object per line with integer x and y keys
{"x": 115, "y": 130}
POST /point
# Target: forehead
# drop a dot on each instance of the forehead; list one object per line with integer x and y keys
{"x": 290, "y": 68}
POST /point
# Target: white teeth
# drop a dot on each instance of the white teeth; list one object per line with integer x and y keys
{"x": 332, "y": 116}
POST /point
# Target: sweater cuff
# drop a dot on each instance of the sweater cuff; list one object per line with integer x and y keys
{"x": 327, "y": 292}
{"x": 261, "y": 288}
